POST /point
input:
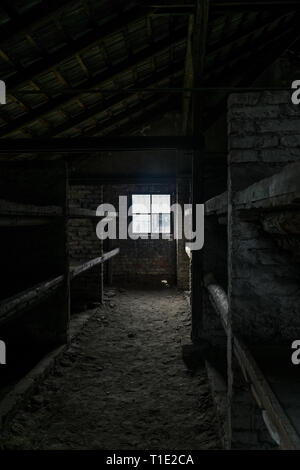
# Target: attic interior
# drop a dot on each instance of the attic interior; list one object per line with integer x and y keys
{"x": 142, "y": 343}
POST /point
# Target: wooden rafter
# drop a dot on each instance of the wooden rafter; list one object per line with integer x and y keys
{"x": 112, "y": 101}
{"x": 93, "y": 82}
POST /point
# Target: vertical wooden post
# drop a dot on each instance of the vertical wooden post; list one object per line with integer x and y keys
{"x": 198, "y": 46}
{"x": 67, "y": 302}
{"x": 101, "y": 286}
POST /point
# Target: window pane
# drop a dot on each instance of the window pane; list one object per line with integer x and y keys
{"x": 155, "y": 223}
{"x": 141, "y": 203}
{"x": 161, "y": 203}
{"x": 165, "y": 223}
{"x": 141, "y": 223}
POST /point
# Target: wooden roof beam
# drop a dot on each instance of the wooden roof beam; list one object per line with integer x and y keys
{"x": 72, "y": 48}
{"x": 93, "y": 82}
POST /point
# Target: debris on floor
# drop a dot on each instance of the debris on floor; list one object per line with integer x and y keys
{"x": 122, "y": 384}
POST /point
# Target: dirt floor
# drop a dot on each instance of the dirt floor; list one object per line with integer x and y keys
{"x": 122, "y": 384}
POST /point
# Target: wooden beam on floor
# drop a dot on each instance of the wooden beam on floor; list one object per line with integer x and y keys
{"x": 261, "y": 390}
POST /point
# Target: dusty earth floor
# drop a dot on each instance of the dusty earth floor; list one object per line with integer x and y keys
{"x": 122, "y": 384}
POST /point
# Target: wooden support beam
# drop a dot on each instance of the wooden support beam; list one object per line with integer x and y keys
{"x": 267, "y": 400}
{"x": 222, "y": 6}
{"x": 195, "y": 129}
{"x": 261, "y": 390}
{"x": 11, "y": 208}
{"x": 218, "y": 298}
{"x": 225, "y": 6}
{"x": 41, "y": 112}
{"x": 188, "y": 77}
{"x": 79, "y": 269}
{"x": 129, "y": 114}
{"x": 81, "y": 213}
{"x": 94, "y": 144}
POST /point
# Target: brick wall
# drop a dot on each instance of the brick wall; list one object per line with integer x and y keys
{"x": 83, "y": 242}
{"x": 183, "y": 261}
{"x": 142, "y": 261}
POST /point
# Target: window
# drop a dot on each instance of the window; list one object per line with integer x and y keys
{"x": 151, "y": 213}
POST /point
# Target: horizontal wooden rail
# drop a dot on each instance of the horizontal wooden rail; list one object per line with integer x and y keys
{"x": 11, "y": 208}
{"x": 261, "y": 390}
{"x": 94, "y": 144}
{"x": 15, "y": 305}
{"x": 21, "y": 221}
{"x": 81, "y": 268}
{"x": 79, "y": 212}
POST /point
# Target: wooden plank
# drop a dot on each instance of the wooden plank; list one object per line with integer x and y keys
{"x": 79, "y": 269}
{"x": 79, "y": 212}
{"x": 25, "y": 300}
{"x": 261, "y": 390}
{"x": 93, "y": 82}
{"x": 13, "y": 221}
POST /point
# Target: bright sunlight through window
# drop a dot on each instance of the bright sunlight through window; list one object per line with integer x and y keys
{"x": 151, "y": 213}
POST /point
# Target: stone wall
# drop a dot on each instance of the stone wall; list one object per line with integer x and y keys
{"x": 264, "y": 136}
{"x": 83, "y": 242}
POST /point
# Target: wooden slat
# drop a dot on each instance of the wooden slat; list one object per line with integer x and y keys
{"x": 288, "y": 436}
{"x": 79, "y": 269}
{"x": 79, "y": 212}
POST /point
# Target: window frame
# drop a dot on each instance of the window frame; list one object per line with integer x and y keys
{"x": 158, "y": 234}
